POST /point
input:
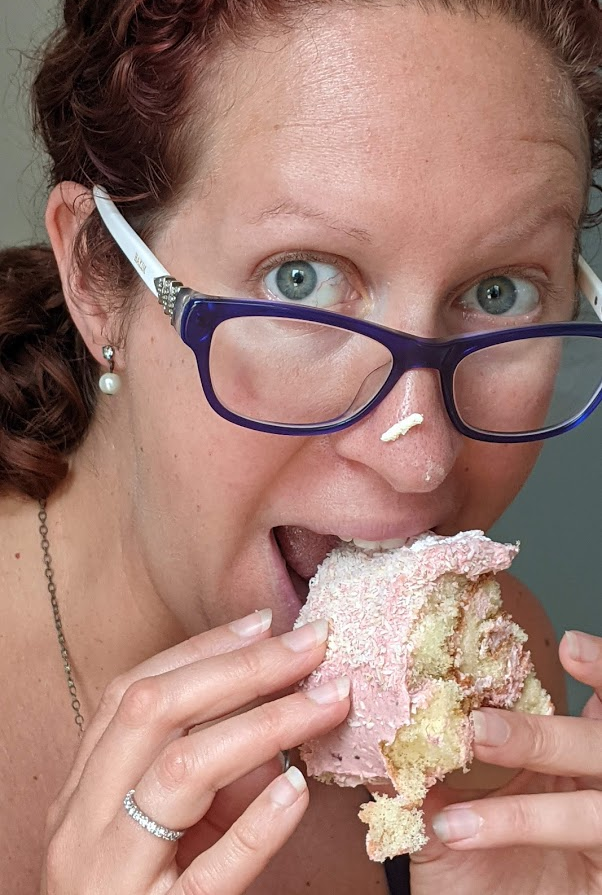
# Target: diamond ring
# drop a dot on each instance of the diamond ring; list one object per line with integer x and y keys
{"x": 146, "y": 823}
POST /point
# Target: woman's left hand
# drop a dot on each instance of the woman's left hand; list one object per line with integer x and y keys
{"x": 542, "y": 833}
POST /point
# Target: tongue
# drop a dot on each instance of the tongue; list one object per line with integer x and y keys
{"x": 304, "y": 550}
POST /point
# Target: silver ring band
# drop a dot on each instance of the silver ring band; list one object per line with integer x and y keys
{"x": 146, "y": 823}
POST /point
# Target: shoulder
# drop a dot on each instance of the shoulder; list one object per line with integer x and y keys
{"x": 526, "y": 610}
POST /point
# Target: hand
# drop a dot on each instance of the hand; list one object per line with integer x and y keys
{"x": 542, "y": 833}
{"x": 210, "y": 782}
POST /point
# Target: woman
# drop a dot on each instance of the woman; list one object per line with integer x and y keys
{"x": 307, "y": 156}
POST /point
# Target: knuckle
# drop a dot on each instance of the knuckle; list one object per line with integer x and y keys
{"x": 54, "y": 816}
{"x": 246, "y": 841}
{"x": 541, "y": 741}
{"x": 249, "y": 664}
{"x": 54, "y": 861}
{"x": 176, "y": 764}
{"x": 138, "y": 705}
{"x": 520, "y": 817}
{"x": 593, "y": 803}
{"x": 268, "y": 722}
{"x": 197, "y": 882}
{"x": 111, "y": 697}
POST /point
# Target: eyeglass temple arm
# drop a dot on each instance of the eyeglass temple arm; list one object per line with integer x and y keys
{"x": 165, "y": 288}
{"x": 590, "y": 285}
{"x": 147, "y": 266}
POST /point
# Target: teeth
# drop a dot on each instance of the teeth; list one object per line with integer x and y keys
{"x": 379, "y": 545}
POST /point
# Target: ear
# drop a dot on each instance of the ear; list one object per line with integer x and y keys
{"x": 68, "y": 207}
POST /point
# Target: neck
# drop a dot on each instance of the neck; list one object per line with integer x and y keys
{"x": 112, "y": 615}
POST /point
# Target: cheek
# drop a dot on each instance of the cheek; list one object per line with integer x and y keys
{"x": 191, "y": 462}
{"x": 492, "y": 475}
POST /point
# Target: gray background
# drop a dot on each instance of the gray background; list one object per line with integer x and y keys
{"x": 556, "y": 516}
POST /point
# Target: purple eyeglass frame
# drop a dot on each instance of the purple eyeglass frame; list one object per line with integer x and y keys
{"x": 195, "y": 317}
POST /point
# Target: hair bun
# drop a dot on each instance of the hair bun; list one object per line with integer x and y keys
{"x": 47, "y": 383}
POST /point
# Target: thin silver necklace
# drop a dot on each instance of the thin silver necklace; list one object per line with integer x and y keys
{"x": 48, "y": 571}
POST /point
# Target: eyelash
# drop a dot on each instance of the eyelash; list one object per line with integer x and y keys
{"x": 546, "y": 290}
{"x": 317, "y": 257}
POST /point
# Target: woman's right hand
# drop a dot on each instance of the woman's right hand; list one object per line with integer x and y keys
{"x": 205, "y": 781}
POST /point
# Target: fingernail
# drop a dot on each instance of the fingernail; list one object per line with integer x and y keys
{"x": 286, "y": 789}
{"x": 253, "y": 624}
{"x": 456, "y": 823}
{"x": 307, "y": 637}
{"x": 490, "y": 729}
{"x": 333, "y": 691}
{"x": 582, "y": 647}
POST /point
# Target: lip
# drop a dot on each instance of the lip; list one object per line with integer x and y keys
{"x": 290, "y": 601}
{"x": 365, "y": 530}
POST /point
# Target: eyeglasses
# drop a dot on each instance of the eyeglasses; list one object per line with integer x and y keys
{"x": 297, "y": 370}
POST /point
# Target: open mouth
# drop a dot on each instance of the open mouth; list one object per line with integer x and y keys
{"x": 303, "y": 550}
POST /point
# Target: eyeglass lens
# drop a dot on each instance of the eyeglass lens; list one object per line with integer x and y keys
{"x": 300, "y": 373}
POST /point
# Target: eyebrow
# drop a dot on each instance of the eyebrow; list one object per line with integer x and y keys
{"x": 292, "y": 208}
{"x": 529, "y": 223}
{"x": 560, "y": 210}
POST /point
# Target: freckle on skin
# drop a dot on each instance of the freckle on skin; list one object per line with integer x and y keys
{"x": 17, "y": 556}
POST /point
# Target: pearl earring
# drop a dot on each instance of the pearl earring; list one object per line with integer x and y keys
{"x": 110, "y": 382}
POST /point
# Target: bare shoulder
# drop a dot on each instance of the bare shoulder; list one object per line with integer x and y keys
{"x": 527, "y": 611}
{"x": 34, "y": 750}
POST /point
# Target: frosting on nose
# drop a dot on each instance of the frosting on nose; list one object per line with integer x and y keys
{"x": 402, "y": 427}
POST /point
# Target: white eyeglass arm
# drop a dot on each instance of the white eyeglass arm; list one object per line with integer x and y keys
{"x": 591, "y": 286}
{"x": 137, "y": 253}
{"x": 151, "y": 270}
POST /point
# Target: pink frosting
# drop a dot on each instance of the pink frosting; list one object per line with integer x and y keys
{"x": 373, "y": 601}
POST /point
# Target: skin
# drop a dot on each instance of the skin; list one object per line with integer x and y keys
{"x": 168, "y": 509}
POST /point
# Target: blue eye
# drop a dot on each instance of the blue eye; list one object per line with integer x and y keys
{"x": 502, "y": 296}
{"x": 311, "y": 283}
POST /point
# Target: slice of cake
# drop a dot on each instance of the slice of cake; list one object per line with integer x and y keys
{"x": 422, "y": 634}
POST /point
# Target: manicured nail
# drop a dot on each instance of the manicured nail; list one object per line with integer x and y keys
{"x": 308, "y": 637}
{"x": 582, "y": 647}
{"x": 253, "y": 624}
{"x": 333, "y": 691}
{"x": 490, "y": 729}
{"x": 456, "y": 823}
{"x": 286, "y": 789}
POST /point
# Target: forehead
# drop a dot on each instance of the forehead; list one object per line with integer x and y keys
{"x": 397, "y": 100}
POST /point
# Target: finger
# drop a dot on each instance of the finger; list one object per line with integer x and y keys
{"x": 218, "y": 641}
{"x": 581, "y": 656}
{"x": 233, "y": 863}
{"x": 593, "y": 708}
{"x": 179, "y": 787}
{"x": 157, "y": 710}
{"x": 544, "y": 743}
{"x": 553, "y": 820}
{"x": 229, "y": 804}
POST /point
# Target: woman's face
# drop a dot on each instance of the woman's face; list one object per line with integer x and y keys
{"x": 404, "y": 158}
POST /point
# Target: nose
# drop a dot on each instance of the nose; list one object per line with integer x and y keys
{"x": 419, "y": 461}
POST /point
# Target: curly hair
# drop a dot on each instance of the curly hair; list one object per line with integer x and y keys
{"x": 112, "y": 102}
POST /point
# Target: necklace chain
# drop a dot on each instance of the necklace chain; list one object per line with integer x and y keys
{"x": 48, "y": 571}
